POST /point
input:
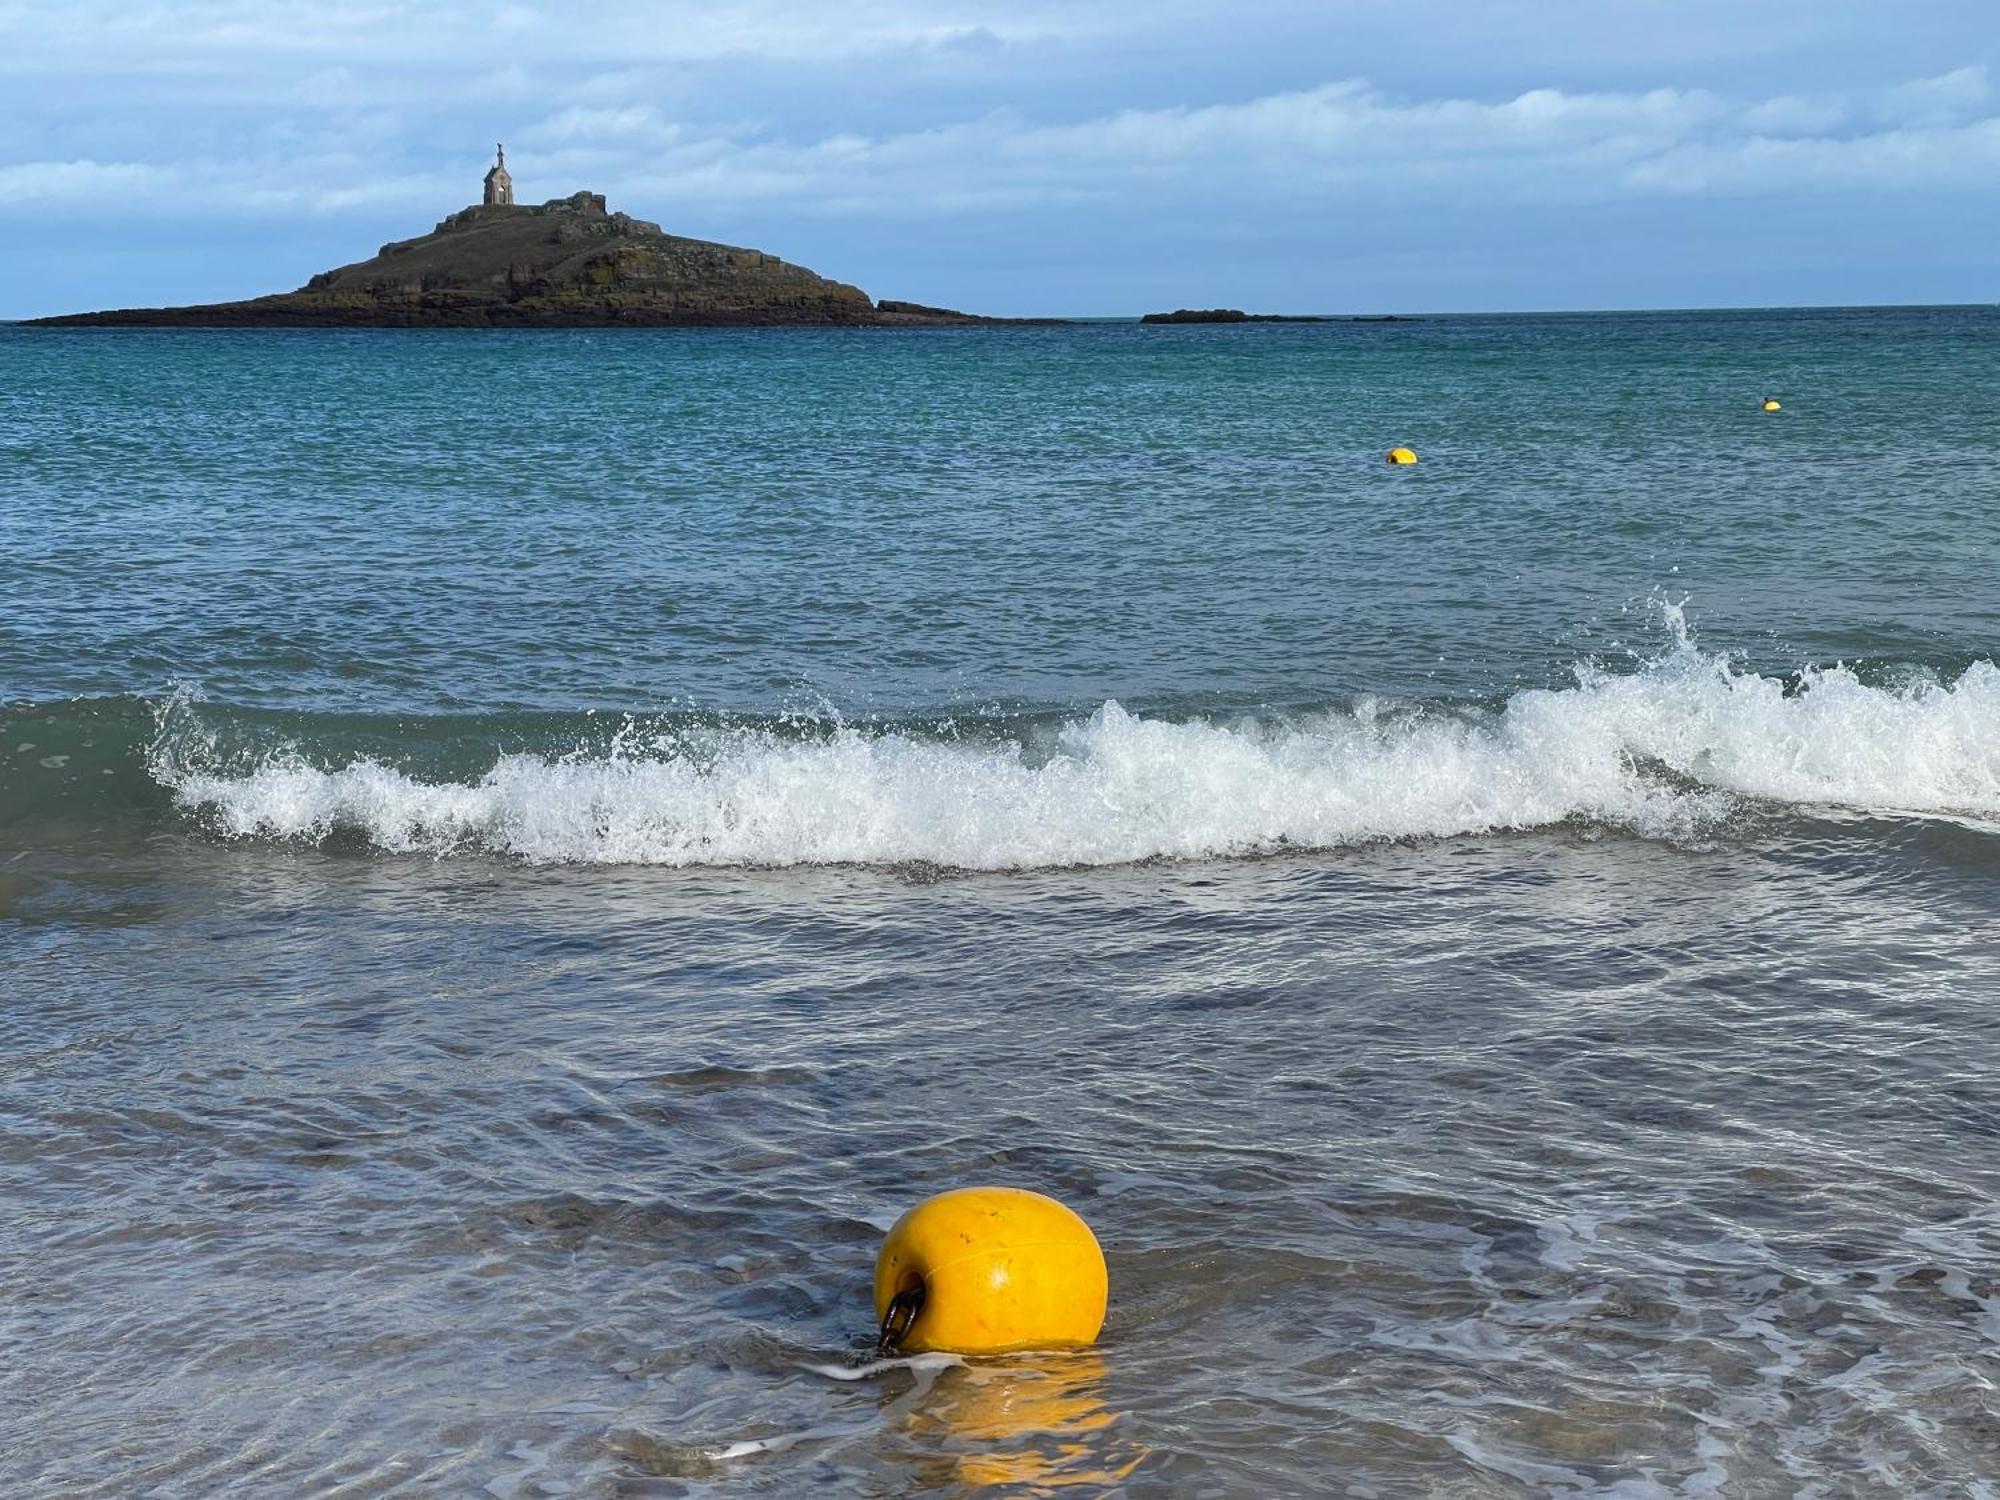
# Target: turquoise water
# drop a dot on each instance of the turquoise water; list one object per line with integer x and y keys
{"x": 412, "y": 522}
{"x": 521, "y": 853}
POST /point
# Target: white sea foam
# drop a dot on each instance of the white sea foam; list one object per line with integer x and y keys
{"x": 1665, "y": 751}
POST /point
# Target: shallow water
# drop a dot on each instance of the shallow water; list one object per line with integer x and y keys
{"x": 495, "y": 921}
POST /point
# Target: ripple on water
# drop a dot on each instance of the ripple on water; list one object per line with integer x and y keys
{"x": 1625, "y": 1169}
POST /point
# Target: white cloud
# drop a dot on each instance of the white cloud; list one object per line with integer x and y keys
{"x": 1545, "y": 146}
{"x": 120, "y": 35}
{"x": 1944, "y": 158}
{"x": 1326, "y": 143}
{"x": 1790, "y": 115}
{"x": 636, "y": 125}
{"x": 83, "y": 182}
{"x": 1949, "y": 98}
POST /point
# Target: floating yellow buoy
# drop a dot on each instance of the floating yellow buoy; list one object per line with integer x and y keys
{"x": 1770, "y": 405}
{"x": 986, "y": 1269}
{"x": 1402, "y": 455}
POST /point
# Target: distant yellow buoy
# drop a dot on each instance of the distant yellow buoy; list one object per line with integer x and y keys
{"x": 1402, "y": 455}
{"x": 987, "y": 1269}
{"x": 1771, "y": 405}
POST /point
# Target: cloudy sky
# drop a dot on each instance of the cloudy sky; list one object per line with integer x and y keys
{"x": 1023, "y": 157}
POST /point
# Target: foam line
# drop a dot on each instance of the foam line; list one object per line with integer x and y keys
{"x": 1665, "y": 752}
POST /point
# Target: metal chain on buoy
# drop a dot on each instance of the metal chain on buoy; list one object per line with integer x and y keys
{"x": 900, "y": 1317}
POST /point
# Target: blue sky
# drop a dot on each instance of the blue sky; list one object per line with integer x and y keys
{"x": 1026, "y": 157}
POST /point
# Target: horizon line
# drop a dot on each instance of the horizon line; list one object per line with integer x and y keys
{"x": 1057, "y": 319}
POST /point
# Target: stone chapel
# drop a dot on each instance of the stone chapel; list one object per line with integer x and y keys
{"x": 499, "y": 186}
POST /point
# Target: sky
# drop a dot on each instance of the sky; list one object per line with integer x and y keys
{"x": 1075, "y": 159}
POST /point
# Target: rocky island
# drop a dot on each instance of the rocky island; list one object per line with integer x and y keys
{"x": 567, "y": 263}
{"x": 1237, "y": 315}
{"x": 1224, "y": 315}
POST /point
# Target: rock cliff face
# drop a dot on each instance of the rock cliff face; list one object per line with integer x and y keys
{"x": 567, "y": 263}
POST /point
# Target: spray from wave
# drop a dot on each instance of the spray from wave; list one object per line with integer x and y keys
{"x": 1667, "y": 751}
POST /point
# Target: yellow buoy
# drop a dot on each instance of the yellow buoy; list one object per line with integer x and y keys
{"x": 1770, "y": 405}
{"x": 1402, "y": 455}
{"x": 986, "y": 1269}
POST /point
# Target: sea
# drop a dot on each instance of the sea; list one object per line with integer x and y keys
{"x": 523, "y": 852}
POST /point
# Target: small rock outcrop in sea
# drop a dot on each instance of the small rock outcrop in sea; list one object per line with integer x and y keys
{"x": 567, "y": 263}
{"x": 1234, "y": 315}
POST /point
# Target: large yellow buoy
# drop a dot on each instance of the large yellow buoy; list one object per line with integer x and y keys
{"x": 1772, "y": 405}
{"x": 986, "y": 1269}
{"x": 1402, "y": 455}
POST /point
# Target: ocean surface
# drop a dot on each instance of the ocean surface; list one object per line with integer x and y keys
{"x": 521, "y": 853}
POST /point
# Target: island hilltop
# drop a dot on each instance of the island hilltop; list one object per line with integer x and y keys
{"x": 567, "y": 263}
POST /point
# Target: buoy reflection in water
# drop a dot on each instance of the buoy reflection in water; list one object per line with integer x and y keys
{"x": 1040, "y": 1421}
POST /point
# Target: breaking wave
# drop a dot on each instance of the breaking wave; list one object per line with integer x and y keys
{"x": 1667, "y": 751}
